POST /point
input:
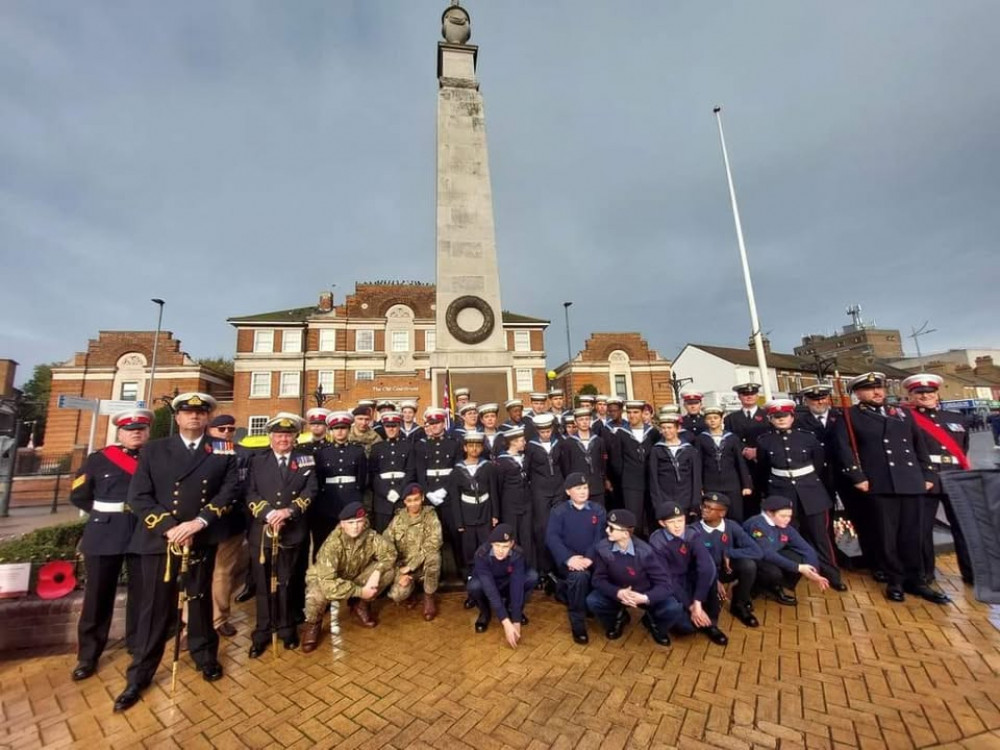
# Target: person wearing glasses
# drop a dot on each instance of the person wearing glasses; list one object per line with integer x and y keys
{"x": 628, "y": 575}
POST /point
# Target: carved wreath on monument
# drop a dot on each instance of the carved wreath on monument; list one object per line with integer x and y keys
{"x": 470, "y": 336}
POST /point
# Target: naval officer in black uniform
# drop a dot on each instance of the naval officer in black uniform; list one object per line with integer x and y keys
{"x": 182, "y": 486}
{"x": 101, "y": 489}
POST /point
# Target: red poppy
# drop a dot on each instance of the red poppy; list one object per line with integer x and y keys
{"x": 510, "y": 568}
{"x": 593, "y": 520}
{"x": 725, "y": 537}
{"x": 784, "y": 538}
{"x": 759, "y": 418}
{"x": 208, "y": 448}
{"x": 684, "y": 549}
{"x": 293, "y": 466}
{"x": 630, "y": 571}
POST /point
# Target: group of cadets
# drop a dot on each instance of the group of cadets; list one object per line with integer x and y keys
{"x": 610, "y": 509}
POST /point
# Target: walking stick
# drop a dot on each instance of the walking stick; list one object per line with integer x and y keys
{"x": 845, "y": 405}
{"x": 185, "y": 553}
{"x": 275, "y": 551}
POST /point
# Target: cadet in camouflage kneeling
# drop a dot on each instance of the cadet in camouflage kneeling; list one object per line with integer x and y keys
{"x": 416, "y": 534}
{"x": 354, "y": 562}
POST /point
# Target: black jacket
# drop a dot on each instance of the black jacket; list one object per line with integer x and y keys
{"x": 105, "y": 476}
{"x": 268, "y": 490}
{"x": 795, "y": 451}
{"x": 544, "y": 470}
{"x": 675, "y": 480}
{"x": 589, "y": 459}
{"x": 332, "y": 462}
{"x": 723, "y": 468}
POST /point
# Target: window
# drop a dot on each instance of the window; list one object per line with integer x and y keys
{"x": 430, "y": 340}
{"x": 324, "y": 380}
{"x": 620, "y": 388}
{"x": 327, "y": 339}
{"x": 263, "y": 340}
{"x": 257, "y": 425}
{"x": 289, "y": 385}
{"x": 129, "y": 391}
{"x": 364, "y": 340}
{"x": 291, "y": 340}
{"x": 401, "y": 341}
{"x": 364, "y": 375}
{"x": 522, "y": 341}
{"x": 260, "y": 384}
{"x": 524, "y": 379}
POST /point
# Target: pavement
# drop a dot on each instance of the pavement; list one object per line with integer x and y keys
{"x": 25, "y": 519}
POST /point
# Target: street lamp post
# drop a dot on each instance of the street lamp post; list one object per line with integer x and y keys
{"x": 569, "y": 358}
{"x": 156, "y": 341}
{"x": 677, "y": 383}
{"x": 320, "y": 396}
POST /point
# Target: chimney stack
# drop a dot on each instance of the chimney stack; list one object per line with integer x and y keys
{"x": 325, "y": 302}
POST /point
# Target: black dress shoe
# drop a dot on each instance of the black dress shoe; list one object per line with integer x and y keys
{"x": 581, "y": 638}
{"x": 128, "y": 698}
{"x": 782, "y": 597}
{"x": 926, "y": 592}
{"x": 524, "y": 619}
{"x": 838, "y": 586}
{"x": 482, "y": 622}
{"x": 715, "y": 635}
{"x": 83, "y": 671}
{"x": 619, "y": 627}
{"x": 248, "y": 593}
{"x": 469, "y": 603}
{"x": 211, "y": 672}
{"x": 744, "y": 615}
{"x": 880, "y": 576}
{"x": 291, "y": 643}
{"x": 659, "y": 636}
{"x": 895, "y": 594}
{"x": 256, "y": 650}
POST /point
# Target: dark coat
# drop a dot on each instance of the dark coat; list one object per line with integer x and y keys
{"x": 955, "y": 425}
{"x": 674, "y": 480}
{"x": 334, "y": 461}
{"x": 747, "y": 430}
{"x": 723, "y": 468}
{"x": 476, "y": 496}
{"x": 794, "y": 450}
{"x": 268, "y": 490}
{"x": 544, "y": 469}
{"x": 512, "y": 482}
{"x": 688, "y": 564}
{"x": 391, "y": 466}
{"x": 589, "y": 459}
{"x": 643, "y": 572}
{"x": 629, "y": 456}
{"x": 105, "y": 476}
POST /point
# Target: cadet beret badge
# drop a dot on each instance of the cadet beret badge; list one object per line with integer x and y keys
{"x": 757, "y": 533}
{"x": 360, "y": 513}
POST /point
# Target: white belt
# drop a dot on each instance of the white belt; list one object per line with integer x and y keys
{"x": 392, "y": 474}
{"x": 438, "y": 472}
{"x": 790, "y": 473}
{"x": 341, "y": 480}
{"x": 943, "y": 459}
{"x": 102, "y": 507}
{"x": 475, "y": 499}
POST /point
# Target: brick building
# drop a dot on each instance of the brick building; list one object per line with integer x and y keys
{"x": 116, "y": 366}
{"x": 8, "y": 370}
{"x": 618, "y": 364}
{"x": 859, "y": 339}
{"x": 376, "y": 344}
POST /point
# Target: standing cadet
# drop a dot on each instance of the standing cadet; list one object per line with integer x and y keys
{"x": 383, "y": 407}
{"x": 585, "y": 453}
{"x": 545, "y": 479}
{"x": 391, "y": 467}
{"x": 515, "y": 414}
{"x": 318, "y": 428}
{"x": 361, "y": 432}
{"x": 819, "y": 419}
{"x": 627, "y": 575}
{"x": 468, "y": 414}
{"x": 282, "y": 483}
{"x": 575, "y": 528}
{"x": 693, "y": 420}
{"x": 436, "y": 456}
{"x": 462, "y": 397}
{"x": 569, "y": 424}
{"x": 786, "y": 555}
{"x": 515, "y": 492}
{"x": 793, "y": 461}
{"x": 723, "y": 468}
{"x": 539, "y": 405}
{"x": 181, "y": 488}
{"x": 416, "y": 535}
{"x": 747, "y": 424}
{"x": 101, "y": 489}
{"x": 629, "y": 452}
{"x": 947, "y": 439}
{"x": 488, "y": 415}
{"x": 674, "y": 470}
{"x": 355, "y": 561}
{"x": 343, "y": 476}
{"x": 409, "y": 429}
{"x": 477, "y": 500}
{"x": 692, "y": 572}
{"x": 501, "y": 583}
{"x": 557, "y": 404}
{"x": 891, "y": 468}
{"x": 734, "y": 553}
{"x": 614, "y": 420}
{"x": 600, "y": 418}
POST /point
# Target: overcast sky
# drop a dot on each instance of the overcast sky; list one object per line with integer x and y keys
{"x": 237, "y": 157}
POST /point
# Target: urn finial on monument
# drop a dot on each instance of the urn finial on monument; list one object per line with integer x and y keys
{"x": 456, "y": 26}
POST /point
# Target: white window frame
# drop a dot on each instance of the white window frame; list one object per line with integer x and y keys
{"x": 266, "y": 376}
{"x": 285, "y": 380}
{"x": 328, "y": 339}
{"x": 522, "y": 341}
{"x": 257, "y": 425}
{"x": 399, "y": 340}
{"x": 326, "y": 380}
{"x": 135, "y": 390}
{"x": 296, "y": 335}
{"x": 369, "y": 334}
{"x": 263, "y": 340}
{"x": 430, "y": 340}
{"x": 364, "y": 375}
{"x": 524, "y": 382}
{"x": 623, "y": 393}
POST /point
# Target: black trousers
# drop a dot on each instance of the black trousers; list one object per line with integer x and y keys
{"x": 541, "y": 506}
{"x": 927, "y": 519}
{"x": 770, "y": 576}
{"x": 281, "y": 617}
{"x": 899, "y": 524}
{"x": 744, "y": 572}
{"x": 577, "y": 588}
{"x": 474, "y": 536}
{"x": 635, "y": 501}
{"x": 452, "y": 537}
{"x": 523, "y": 533}
{"x": 475, "y": 591}
{"x": 157, "y": 613}
{"x": 863, "y": 514}
{"x": 99, "y": 603}
{"x": 815, "y": 529}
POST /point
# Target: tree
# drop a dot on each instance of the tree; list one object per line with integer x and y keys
{"x": 35, "y": 403}
{"x": 162, "y": 418}
{"x": 221, "y": 365}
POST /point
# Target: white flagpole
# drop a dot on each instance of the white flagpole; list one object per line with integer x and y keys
{"x": 758, "y": 339}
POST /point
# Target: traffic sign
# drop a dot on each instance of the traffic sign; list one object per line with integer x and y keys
{"x": 109, "y": 406}
{"x": 76, "y": 402}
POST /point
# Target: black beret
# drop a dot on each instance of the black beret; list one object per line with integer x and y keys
{"x": 502, "y": 532}
{"x": 412, "y": 488}
{"x": 222, "y": 419}
{"x": 362, "y": 411}
{"x": 715, "y": 497}
{"x": 352, "y": 511}
{"x": 622, "y": 517}
{"x": 575, "y": 479}
{"x": 670, "y": 511}
{"x": 776, "y": 502}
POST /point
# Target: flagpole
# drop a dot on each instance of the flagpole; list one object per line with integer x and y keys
{"x": 758, "y": 338}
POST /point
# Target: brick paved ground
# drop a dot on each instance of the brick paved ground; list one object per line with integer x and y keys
{"x": 838, "y": 671}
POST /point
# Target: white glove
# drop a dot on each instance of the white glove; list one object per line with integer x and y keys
{"x": 393, "y": 496}
{"x": 437, "y": 496}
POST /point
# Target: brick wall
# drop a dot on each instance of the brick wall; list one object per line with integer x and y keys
{"x": 8, "y": 369}
{"x": 32, "y": 623}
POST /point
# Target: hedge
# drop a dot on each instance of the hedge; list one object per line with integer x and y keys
{"x": 50, "y": 543}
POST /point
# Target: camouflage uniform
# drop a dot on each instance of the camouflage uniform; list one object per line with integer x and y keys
{"x": 365, "y": 439}
{"x": 418, "y": 540}
{"x": 342, "y": 568}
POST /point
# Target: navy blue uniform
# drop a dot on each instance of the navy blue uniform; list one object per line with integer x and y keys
{"x": 575, "y": 531}
{"x": 542, "y": 466}
{"x": 783, "y": 550}
{"x": 515, "y": 501}
{"x": 694, "y": 423}
{"x": 435, "y": 459}
{"x": 674, "y": 477}
{"x": 390, "y": 468}
{"x": 735, "y": 556}
{"x": 343, "y": 478}
{"x": 748, "y": 429}
{"x": 691, "y": 571}
{"x": 629, "y": 457}
{"x": 589, "y": 458}
{"x": 724, "y": 470}
{"x": 104, "y": 480}
{"x": 477, "y": 502}
{"x": 503, "y": 586}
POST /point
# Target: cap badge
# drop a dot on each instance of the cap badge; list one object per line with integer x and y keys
{"x": 194, "y": 401}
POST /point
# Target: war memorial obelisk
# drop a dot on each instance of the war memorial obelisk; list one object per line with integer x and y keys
{"x": 471, "y": 342}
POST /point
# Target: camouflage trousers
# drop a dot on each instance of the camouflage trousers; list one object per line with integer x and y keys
{"x": 318, "y": 596}
{"x": 428, "y": 574}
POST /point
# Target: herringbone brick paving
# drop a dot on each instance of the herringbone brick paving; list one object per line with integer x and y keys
{"x": 839, "y": 671}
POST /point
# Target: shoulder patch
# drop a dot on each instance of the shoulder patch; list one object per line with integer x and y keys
{"x": 79, "y": 481}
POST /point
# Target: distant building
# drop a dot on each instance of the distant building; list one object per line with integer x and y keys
{"x": 116, "y": 367}
{"x": 951, "y": 357}
{"x": 377, "y": 344}
{"x": 8, "y": 370}
{"x": 859, "y": 339}
{"x": 618, "y": 364}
